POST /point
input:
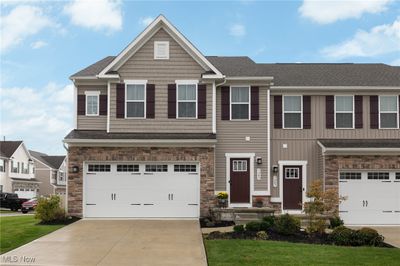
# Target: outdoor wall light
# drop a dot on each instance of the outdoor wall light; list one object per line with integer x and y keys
{"x": 275, "y": 169}
{"x": 75, "y": 169}
{"x": 259, "y": 160}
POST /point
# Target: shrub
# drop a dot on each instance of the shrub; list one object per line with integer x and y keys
{"x": 335, "y": 222}
{"x": 368, "y": 237}
{"x": 238, "y": 228}
{"x": 49, "y": 209}
{"x": 262, "y": 235}
{"x": 343, "y": 236}
{"x": 269, "y": 220}
{"x": 287, "y": 225}
{"x": 253, "y": 226}
{"x": 222, "y": 195}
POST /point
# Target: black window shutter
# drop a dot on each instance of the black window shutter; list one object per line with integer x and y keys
{"x": 81, "y": 104}
{"x": 255, "y": 103}
{"x": 278, "y": 111}
{"x": 171, "y": 100}
{"x": 330, "y": 111}
{"x": 120, "y": 100}
{"x": 202, "y": 101}
{"x": 103, "y": 104}
{"x": 150, "y": 100}
{"x": 306, "y": 111}
{"x": 225, "y": 102}
{"x": 358, "y": 108}
{"x": 374, "y": 111}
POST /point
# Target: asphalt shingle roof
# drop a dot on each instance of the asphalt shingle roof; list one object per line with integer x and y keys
{"x": 360, "y": 143}
{"x": 291, "y": 74}
{"x": 102, "y": 134}
{"x": 7, "y": 148}
{"x": 53, "y": 161}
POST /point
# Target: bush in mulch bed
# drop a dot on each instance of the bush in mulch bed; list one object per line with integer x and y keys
{"x": 64, "y": 221}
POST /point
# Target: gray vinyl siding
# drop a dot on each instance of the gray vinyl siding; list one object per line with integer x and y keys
{"x": 42, "y": 173}
{"x": 142, "y": 66}
{"x": 92, "y": 122}
{"x": 302, "y": 143}
{"x": 231, "y": 139}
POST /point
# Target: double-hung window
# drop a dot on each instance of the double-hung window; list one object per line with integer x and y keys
{"x": 187, "y": 100}
{"x": 135, "y": 100}
{"x": 344, "y": 112}
{"x": 240, "y": 102}
{"x": 92, "y": 103}
{"x": 388, "y": 112}
{"x": 2, "y": 165}
{"x": 292, "y": 112}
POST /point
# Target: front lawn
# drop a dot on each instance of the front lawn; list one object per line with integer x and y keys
{"x": 16, "y": 231}
{"x": 258, "y": 252}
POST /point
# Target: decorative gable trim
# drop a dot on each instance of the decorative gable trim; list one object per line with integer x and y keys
{"x": 139, "y": 41}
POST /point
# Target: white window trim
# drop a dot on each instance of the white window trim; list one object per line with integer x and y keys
{"x": 230, "y": 102}
{"x": 230, "y": 156}
{"x": 292, "y": 112}
{"x": 97, "y": 95}
{"x": 135, "y": 82}
{"x": 156, "y": 55}
{"x": 186, "y": 82}
{"x": 389, "y": 112}
{"x": 280, "y": 182}
{"x": 344, "y": 112}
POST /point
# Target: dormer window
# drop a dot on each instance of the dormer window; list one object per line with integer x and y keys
{"x": 161, "y": 50}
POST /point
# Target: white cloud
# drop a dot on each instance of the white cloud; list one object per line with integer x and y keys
{"x": 145, "y": 21}
{"x": 328, "y": 11}
{"x": 22, "y": 21}
{"x": 42, "y": 116}
{"x": 382, "y": 39}
{"x": 237, "y": 30}
{"x": 97, "y": 15}
{"x": 38, "y": 44}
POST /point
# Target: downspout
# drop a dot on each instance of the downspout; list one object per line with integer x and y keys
{"x": 269, "y": 141}
{"x": 108, "y": 105}
{"x": 66, "y": 180}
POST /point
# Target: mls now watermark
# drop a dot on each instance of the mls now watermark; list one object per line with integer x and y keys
{"x": 17, "y": 259}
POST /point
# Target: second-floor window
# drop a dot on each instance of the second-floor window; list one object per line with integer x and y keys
{"x": 240, "y": 103}
{"x": 92, "y": 103}
{"x": 135, "y": 100}
{"x": 187, "y": 100}
{"x": 2, "y": 166}
{"x": 344, "y": 112}
{"x": 292, "y": 112}
{"x": 61, "y": 176}
{"x": 388, "y": 112}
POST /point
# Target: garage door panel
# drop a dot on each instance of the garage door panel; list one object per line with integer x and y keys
{"x": 142, "y": 194}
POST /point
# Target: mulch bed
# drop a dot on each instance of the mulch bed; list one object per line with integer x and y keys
{"x": 66, "y": 221}
{"x": 208, "y": 223}
{"x": 300, "y": 237}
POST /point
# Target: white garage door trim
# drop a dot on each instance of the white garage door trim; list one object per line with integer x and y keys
{"x": 113, "y": 166}
{"x": 373, "y": 197}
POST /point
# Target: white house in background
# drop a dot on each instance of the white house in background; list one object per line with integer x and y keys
{"x": 17, "y": 170}
{"x": 51, "y": 171}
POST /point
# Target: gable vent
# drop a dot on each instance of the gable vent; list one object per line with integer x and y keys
{"x": 161, "y": 50}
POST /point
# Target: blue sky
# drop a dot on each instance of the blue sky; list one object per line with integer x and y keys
{"x": 43, "y": 43}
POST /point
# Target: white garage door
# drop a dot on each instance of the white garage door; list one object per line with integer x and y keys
{"x": 142, "y": 190}
{"x": 373, "y": 198}
{"x": 26, "y": 193}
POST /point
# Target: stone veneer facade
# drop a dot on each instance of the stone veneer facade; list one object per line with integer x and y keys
{"x": 336, "y": 163}
{"x": 78, "y": 155}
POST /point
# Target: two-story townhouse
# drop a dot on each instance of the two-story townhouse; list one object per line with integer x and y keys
{"x": 51, "y": 171}
{"x": 17, "y": 170}
{"x": 161, "y": 129}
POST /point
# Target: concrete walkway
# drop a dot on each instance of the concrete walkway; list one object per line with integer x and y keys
{"x": 118, "y": 242}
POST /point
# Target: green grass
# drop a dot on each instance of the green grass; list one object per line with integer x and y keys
{"x": 252, "y": 252}
{"x": 16, "y": 231}
{"x": 7, "y": 211}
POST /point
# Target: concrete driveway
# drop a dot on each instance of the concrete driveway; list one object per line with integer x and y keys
{"x": 118, "y": 242}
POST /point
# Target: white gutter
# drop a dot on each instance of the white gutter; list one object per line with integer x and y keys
{"x": 250, "y": 78}
{"x": 334, "y": 88}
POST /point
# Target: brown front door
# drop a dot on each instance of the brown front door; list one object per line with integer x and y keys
{"x": 240, "y": 180}
{"x": 292, "y": 187}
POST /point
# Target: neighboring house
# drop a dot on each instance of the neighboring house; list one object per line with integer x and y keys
{"x": 17, "y": 170}
{"x": 51, "y": 172}
{"x": 161, "y": 129}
